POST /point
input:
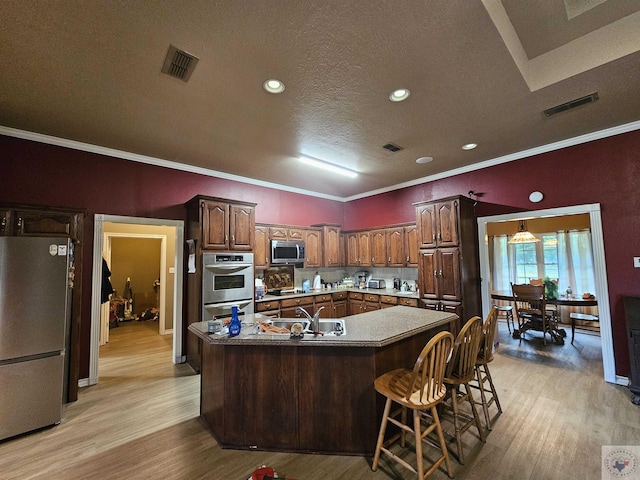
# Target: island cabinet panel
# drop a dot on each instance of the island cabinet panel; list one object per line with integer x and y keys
{"x": 333, "y": 383}
{"x": 311, "y": 395}
{"x": 266, "y": 375}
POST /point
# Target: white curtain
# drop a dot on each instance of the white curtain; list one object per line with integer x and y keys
{"x": 503, "y": 265}
{"x": 575, "y": 262}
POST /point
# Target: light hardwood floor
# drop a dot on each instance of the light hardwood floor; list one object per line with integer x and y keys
{"x": 141, "y": 422}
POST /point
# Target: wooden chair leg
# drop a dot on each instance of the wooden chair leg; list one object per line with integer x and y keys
{"x": 493, "y": 388}
{"x": 456, "y": 425}
{"x": 383, "y": 427}
{"x": 475, "y": 412}
{"x": 483, "y": 396}
{"x": 443, "y": 443}
{"x": 403, "y": 434}
{"x": 417, "y": 429}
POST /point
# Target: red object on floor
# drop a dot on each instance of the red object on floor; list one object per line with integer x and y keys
{"x": 266, "y": 473}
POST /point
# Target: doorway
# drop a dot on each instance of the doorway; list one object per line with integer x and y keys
{"x": 602, "y": 291}
{"x": 171, "y": 280}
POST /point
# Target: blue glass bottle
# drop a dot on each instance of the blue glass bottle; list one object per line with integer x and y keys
{"x": 234, "y": 325}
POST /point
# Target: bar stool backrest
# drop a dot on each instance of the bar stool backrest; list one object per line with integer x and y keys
{"x": 461, "y": 366}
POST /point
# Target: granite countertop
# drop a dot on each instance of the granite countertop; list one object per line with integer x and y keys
{"x": 325, "y": 291}
{"x": 372, "y": 329}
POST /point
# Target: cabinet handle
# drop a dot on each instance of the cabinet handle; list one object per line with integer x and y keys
{"x": 440, "y": 272}
{"x": 435, "y": 273}
{"x": 226, "y": 238}
{"x": 407, "y": 259}
{"x": 440, "y": 236}
{"x": 389, "y": 260}
{"x": 433, "y": 238}
{"x": 20, "y": 224}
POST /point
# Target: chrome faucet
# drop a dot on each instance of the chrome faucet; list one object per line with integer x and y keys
{"x": 315, "y": 320}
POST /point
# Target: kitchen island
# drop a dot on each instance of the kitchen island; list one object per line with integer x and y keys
{"x": 314, "y": 395}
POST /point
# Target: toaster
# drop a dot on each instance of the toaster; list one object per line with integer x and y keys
{"x": 376, "y": 283}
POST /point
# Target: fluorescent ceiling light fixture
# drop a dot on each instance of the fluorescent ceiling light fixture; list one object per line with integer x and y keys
{"x": 469, "y": 146}
{"x": 273, "y": 86}
{"x": 399, "y": 95}
{"x": 328, "y": 166}
{"x": 424, "y": 160}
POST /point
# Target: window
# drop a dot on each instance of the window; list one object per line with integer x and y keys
{"x": 565, "y": 256}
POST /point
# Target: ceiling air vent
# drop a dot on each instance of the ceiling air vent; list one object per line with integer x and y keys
{"x": 392, "y": 147}
{"x": 179, "y": 64}
{"x": 592, "y": 97}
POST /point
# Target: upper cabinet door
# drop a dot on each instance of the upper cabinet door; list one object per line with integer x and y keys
{"x": 364, "y": 249}
{"x": 351, "y": 241}
{"x": 215, "y": 225}
{"x": 45, "y": 224}
{"x": 241, "y": 227}
{"x": 426, "y": 224}
{"x": 447, "y": 223}
{"x": 395, "y": 247}
{"x": 332, "y": 240}
{"x": 379, "y": 248}
{"x": 411, "y": 246}
{"x": 261, "y": 251}
{"x": 313, "y": 248}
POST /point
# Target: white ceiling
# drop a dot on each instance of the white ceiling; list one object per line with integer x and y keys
{"x": 478, "y": 71}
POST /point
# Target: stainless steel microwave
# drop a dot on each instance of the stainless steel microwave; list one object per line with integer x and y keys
{"x": 287, "y": 251}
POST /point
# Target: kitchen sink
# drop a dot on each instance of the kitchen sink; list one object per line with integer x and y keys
{"x": 332, "y": 327}
{"x": 328, "y": 326}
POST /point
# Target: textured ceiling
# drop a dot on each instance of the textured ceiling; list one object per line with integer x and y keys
{"x": 89, "y": 71}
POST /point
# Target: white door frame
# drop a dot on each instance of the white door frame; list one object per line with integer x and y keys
{"x": 98, "y": 240}
{"x": 106, "y": 242}
{"x": 602, "y": 289}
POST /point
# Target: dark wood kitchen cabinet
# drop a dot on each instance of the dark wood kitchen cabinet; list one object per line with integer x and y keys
{"x": 438, "y": 222}
{"x": 448, "y": 266}
{"x": 332, "y": 241}
{"x": 213, "y": 224}
{"x": 411, "y": 247}
{"x": 358, "y": 246}
{"x": 262, "y": 247}
{"x": 395, "y": 247}
{"x": 28, "y": 221}
{"x": 378, "y": 248}
{"x": 312, "y": 247}
{"x": 224, "y": 224}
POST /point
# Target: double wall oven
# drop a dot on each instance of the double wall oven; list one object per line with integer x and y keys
{"x": 227, "y": 280}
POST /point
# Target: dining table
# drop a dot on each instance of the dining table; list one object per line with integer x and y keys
{"x": 560, "y": 301}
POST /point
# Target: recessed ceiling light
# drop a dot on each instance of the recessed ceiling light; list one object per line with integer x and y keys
{"x": 273, "y": 86}
{"x": 469, "y": 146}
{"x": 328, "y": 166}
{"x": 399, "y": 95}
{"x": 424, "y": 160}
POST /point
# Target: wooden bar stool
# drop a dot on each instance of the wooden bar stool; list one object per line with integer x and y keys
{"x": 507, "y": 312}
{"x": 461, "y": 371}
{"x": 420, "y": 389}
{"x": 483, "y": 375}
{"x": 580, "y": 316}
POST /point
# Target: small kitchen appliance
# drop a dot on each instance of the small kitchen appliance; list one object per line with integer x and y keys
{"x": 376, "y": 283}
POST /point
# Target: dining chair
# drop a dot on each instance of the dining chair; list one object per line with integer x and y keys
{"x": 421, "y": 389}
{"x": 460, "y": 372}
{"x": 531, "y": 311}
{"x": 488, "y": 395}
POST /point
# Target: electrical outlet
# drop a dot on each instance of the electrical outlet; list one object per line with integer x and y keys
{"x": 636, "y": 262}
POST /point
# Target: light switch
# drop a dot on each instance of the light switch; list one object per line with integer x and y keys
{"x": 636, "y": 262}
{"x": 172, "y": 269}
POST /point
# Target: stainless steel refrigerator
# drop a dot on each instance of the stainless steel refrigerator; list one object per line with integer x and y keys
{"x": 34, "y": 313}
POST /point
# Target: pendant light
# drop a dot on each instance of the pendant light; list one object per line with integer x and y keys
{"x": 523, "y": 235}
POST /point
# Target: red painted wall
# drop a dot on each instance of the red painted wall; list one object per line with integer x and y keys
{"x": 605, "y": 171}
{"x": 39, "y": 174}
